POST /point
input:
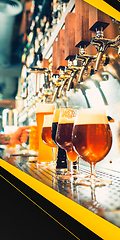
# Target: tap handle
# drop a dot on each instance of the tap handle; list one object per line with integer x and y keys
{"x": 103, "y": 43}
{"x": 116, "y": 43}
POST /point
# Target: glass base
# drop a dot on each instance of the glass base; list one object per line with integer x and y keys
{"x": 92, "y": 181}
{"x": 49, "y": 165}
{"x": 67, "y": 175}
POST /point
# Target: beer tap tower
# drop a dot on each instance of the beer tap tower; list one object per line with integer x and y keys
{"x": 83, "y": 37}
{"x": 98, "y": 24}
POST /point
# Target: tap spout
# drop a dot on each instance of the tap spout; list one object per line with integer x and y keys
{"x": 62, "y": 86}
{"x": 98, "y": 59}
{"x": 55, "y": 94}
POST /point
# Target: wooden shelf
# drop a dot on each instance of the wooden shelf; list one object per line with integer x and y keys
{"x": 6, "y": 103}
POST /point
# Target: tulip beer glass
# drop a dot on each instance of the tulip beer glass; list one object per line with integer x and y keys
{"x": 64, "y": 135}
{"x": 33, "y": 139}
{"x": 61, "y": 153}
{"x": 92, "y": 140}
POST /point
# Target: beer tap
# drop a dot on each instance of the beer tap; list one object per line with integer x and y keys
{"x": 74, "y": 68}
{"x": 102, "y": 44}
{"x": 64, "y": 76}
{"x": 55, "y": 95}
{"x": 86, "y": 59}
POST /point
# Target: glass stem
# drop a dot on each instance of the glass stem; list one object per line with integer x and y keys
{"x": 92, "y": 176}
{"x": 93, "y": 196}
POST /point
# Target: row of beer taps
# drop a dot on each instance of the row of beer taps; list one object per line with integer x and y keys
{"x": 81, "y": 67}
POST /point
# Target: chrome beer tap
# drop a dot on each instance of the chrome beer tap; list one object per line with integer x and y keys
{"x": 55, "y": 93}
{"x": 73, "y": 68}
{"x": 102, "y": 44}
{"x": 57, "y": 82}
{"x": 85, "y": 61}
{"x": 64, "y": 77}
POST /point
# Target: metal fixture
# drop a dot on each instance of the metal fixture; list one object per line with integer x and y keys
{"x": 102, "y": 44}
{"x": 85, "y": 59}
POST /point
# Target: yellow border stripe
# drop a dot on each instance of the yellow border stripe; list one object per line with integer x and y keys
{"x": 105, "y": 7}
{"x": 40, "y": 207}
{"x": 98, "y": 225}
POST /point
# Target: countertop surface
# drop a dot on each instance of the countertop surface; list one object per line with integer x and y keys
{"x": 104, "y": 201}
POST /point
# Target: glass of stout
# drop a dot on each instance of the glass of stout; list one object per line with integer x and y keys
{"x": 64, "y": 139}
{"x": 61, "y": 164}
{"x": 92, "y": 140}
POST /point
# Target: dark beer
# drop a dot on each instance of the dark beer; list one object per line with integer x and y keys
{"x": 54, "y": 129}
{"x": 61, "y": 154}
{"x": 64, "y": 133}
{"x": 64, "y": 136}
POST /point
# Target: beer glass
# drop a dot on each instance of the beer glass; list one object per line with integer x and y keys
{"x": 64, "y": 136}
{"x": 45, "y": 152}
{"x": 92, "y": 140}
{"x": 47, "y": 134}
{"x": 33, "y": 139}
{"x": 61, "y": 163}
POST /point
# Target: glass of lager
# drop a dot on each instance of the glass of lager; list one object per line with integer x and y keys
{"x": 45, "y": 152}
{"x": 33, "y": 139}
{"x": 92, "y": 140}
{"x": 47, "y": 134}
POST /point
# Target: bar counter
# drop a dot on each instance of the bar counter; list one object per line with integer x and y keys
{"x": 104, "y": 211}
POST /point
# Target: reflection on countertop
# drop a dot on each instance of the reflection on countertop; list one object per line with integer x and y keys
{"x": 104, "y": 201}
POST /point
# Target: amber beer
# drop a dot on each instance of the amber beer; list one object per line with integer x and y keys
{"x": 33, "y": 139}
{"x": 46, "y": 131}
{"x": 64, "y": 133}
{"x": 92, "y": 137}
{"x": 45, "y": 152}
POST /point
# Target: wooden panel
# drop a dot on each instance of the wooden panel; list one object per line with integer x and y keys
{"x": 54, "y": 61}
{"x": 45, "y": 63}
{"x": 97, "y": 18}
{"x": 111, "y": 32}
{"x": 61, "y": 62}
{"x": 82, "y": 33}
{"x": 7, "y": 103}
{"x": 70, "y": 49}
{"x": 90, "y": 49}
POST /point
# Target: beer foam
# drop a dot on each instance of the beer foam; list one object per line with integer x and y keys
{"x": 64, "y": 120}
{"x": 91, "y": 116}
{"x": 56, "y": 115}
{"x": 45, "y": 107}
{"x": 67, "y": 115}
{"x": 48, "y": 119}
